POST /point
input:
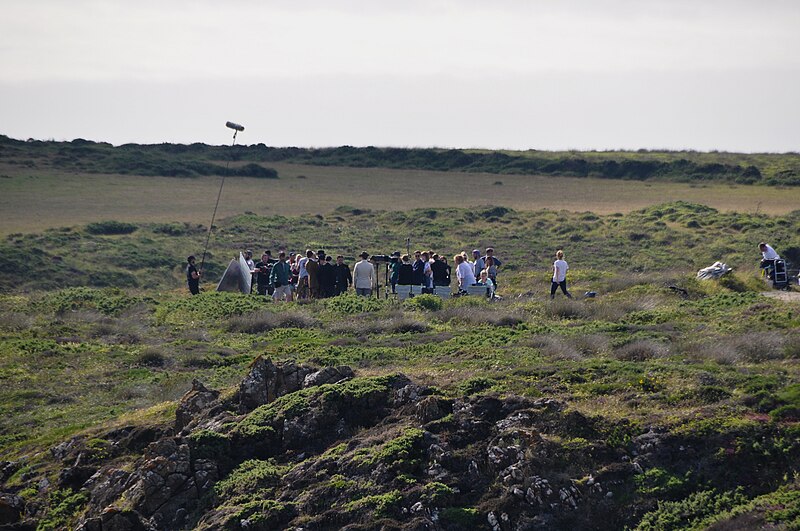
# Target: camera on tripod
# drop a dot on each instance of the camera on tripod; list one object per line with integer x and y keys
{"x": 383, "y": 258}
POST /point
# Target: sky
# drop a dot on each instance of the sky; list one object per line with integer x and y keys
{"x": 502, "y": 74}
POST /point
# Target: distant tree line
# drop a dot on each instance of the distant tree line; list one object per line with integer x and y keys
{"x": 187, "y": 160}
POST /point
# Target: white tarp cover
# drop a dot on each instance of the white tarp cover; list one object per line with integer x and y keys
{"x": 236, "y": 277}
{"x": 714, "y": 271}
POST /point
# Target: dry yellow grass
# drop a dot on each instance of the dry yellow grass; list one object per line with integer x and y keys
{"x": 33, "y": 200}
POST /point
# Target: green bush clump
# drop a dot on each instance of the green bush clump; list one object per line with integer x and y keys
{"x": 402, "y": 451}
{"x": 659, "y": 482}
{"x": 383, "y": 504}
{"x": 64, "y": 507}
{"x": 110, "y": 227}
{"x": 436, "y": 493}
{"x": 250, "y": 478}
{"x": 350, "y": 304}
{"x": 208, "y": 306}
{"x": 696, "y": 511}
{"x": 425, "y": 301}
{"x": 207, "y": 444}
{"x": 109, "y": 301}
{"x": 461, "y": 517}
{"x": 475, "y": 385}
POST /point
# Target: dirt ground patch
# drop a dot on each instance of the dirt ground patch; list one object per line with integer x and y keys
{"x": 787, "y": 296}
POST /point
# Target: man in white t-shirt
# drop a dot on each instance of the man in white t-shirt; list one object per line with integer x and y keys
{"x": 302, "y": 275}
{"x": 560, "y": 268}
{"x": 767, "y": 252}
{"x": 769, "y": 256}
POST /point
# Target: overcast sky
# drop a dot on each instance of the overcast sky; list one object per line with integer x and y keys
{"x": 561, "y": 74}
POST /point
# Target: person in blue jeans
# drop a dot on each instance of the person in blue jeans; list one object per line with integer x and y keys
{"x": 560, "y": 268}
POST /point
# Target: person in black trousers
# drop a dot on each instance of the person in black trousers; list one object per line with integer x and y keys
{"x": 344, "y": 278}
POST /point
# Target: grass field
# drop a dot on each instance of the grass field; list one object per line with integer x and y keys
{"x": 32, "y": 200}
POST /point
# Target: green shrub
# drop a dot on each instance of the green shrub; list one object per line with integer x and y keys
{"x": 109, "y": 301}
{"x": 475, "y": 385}
{"x": 425, "y": 301}
{"x": 208, "y": 306}
{"x": 110, "y": 227}
{"x": 350, "y": 304}
{"x": 249, "y": 478}
{"x": 64, "y": 507}
{"x": 786, "y": 413}
{"x": 461, "y": 517}
{"x": 694, "y": 512}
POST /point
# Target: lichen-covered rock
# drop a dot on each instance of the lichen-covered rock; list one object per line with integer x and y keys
{"x": 328, "y": 375}
{"x": 267, "y": 381}
{"x": 195, "y": 402}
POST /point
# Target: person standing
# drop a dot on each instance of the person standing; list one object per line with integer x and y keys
{"x": 418, "y": 268}
{"x": 427, "y": 272}
{"x": 395, "y": 267}
{"x": 327, "y": 278}
{"x": 463, "y": 272}
{"x": 479, "y": 264}
{"x": 560, "y": 268}
{"x": 279, "y": 278}
{"x": 441, "y": 271}
{"x": 302, "y": 275}
{"x": 364, "y": 276}
{"x": 312, "y": 268}
{"x": 248, "y": 258}
{"x": 343, "y": 277}
{"x": 192, "y": 276}
{"x": 263, "y": 270}
{"x": 493, "y": 267}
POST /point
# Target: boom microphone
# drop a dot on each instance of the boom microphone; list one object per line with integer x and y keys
{"x": 234, "y": 126}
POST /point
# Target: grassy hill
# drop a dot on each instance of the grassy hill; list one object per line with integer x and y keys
{"x": 98, "y": 339}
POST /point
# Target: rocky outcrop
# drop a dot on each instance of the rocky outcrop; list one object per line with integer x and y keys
{"x": 298, "y": 447}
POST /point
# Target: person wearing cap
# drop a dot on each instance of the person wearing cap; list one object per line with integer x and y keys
{"x": 478, "y": 264}
{"x": 363, "y": 276}
{"x": 279, "y": 278}
{"x": 192, "y": 276}
{"x": 493, "y": 267}
{"x": 344, "y": 278}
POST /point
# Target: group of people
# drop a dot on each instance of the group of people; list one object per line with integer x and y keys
{"x": 316, "y": 275}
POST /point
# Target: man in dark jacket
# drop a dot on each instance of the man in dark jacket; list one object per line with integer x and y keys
{"x": 418, "y": 268}
{"x": 192, "y": 276}
{"x": 264, "y": 268}
{"x": 441, "y": 271}
{"x": 344, "y": 278}
{"x": 327, "y": 278}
